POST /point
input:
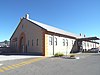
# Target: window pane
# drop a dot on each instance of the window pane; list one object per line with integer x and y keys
{"x": 63, "y": 42}
{"x": 50, "y": 40}
{"x": 55, "y": 41}
{"x": 72, "y": 42}
{"x": 66, "y": 42}
{"x": 28, "y": 42}
{"x": 88, "y": 44}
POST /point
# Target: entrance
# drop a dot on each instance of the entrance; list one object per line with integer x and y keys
{"x": 22, "y": 42}
{"x": 22, "y": 45}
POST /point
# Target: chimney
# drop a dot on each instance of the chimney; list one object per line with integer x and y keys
{"x": 27, "y": 16}
{"x": 84, "y": 35}
{"x": 80, "y": 34}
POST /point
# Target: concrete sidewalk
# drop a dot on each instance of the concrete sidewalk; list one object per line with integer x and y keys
{"x": 14, "y": 57}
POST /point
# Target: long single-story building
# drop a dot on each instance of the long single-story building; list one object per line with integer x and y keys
{"x": 34, "y": 37}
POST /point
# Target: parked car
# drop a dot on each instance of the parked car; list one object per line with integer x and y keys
{"x": 94, "y": 50}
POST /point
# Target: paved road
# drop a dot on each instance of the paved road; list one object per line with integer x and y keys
{"x": 88, "y": 64}
{"x": 13, "y": 57}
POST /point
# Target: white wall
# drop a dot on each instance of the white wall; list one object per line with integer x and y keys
{"x": 59, "y": 48}
{"x": 88, "y": 45}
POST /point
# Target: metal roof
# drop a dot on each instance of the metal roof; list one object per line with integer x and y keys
{"x": 54, "y": 29}
{"x": 89, "y": 38}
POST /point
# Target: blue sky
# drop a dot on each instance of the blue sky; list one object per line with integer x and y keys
{"x": 76, "y": 16}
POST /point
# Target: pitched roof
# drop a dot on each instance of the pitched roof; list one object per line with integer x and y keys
{"x": 48, "y": 28}
{"x": 54, "y": 29}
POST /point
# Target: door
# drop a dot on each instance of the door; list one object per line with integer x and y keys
{"x": 22, "y": 41}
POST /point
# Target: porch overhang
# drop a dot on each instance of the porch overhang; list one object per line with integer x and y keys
{"x": 90, "y": 39}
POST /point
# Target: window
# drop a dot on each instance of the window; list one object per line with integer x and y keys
{"x": 93, "y": 45}
{"x": 16, "y": 44}
{"x": 88, "y": 44}
{"x": 50, "y": 40}
{"x": 37, "y": 42}
{"x": 84, "y": 44}
{"x": 63, "y": 42}
{"x": 72, "y": 42}
{"x": 22, "y": 26}
{"x": 32, "y": 42}
{"x": 28, "y": 42}
{"x": 55, "y": 41}
{"x": 66, "y": 42}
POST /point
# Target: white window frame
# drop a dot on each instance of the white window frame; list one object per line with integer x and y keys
{"x": 50, "y": 40}
{"x": 63, "y": 42}
{"x": 72, "y": 42}
{"x": 56, "y": 41}
{"x": 66, "y": 42}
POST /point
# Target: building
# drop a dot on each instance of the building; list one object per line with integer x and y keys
{"x": 34, "y": 37}
{"x": 5, "y": 44}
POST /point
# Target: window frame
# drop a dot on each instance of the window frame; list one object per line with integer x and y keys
{"x": 50, "y": 40}
{"x": 22, "y": 26}
{"x": 56, "y": 41}
{"x": 72, "y": 42}
{"x": 28, "y": 42}
{"x": 63, "y": 42}
{"x": 66, "y": 42}
{"x": 87, "y": 44}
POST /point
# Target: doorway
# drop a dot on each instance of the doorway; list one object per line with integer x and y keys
{"x": 22, "y": 43}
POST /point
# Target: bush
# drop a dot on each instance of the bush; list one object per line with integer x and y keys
{"x": 72, "y": 55}
{"x": 56, "y": 55}
{"x": 59, "y": 54}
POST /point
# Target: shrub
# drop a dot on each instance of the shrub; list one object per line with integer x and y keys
{"x": 72, "y": 55}
{"x": 59, "y": 54}
{"x": 56, "y": 55}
